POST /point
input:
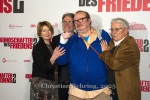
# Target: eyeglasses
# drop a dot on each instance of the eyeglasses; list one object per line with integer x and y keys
{"x": 67, "y": 22}
{"x": 115, "y": 29}
{"x": 79, "y": 20}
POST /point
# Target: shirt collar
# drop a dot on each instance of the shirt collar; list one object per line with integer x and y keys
{"x": 118, "y": 42}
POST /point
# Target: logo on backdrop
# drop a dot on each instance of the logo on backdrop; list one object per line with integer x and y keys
{"x": 28, "y": 76}
{"x": 4, "y": 60}
{"x": 18, "y": 42}
{"x": 11, "y": 6}
{"x": 145, "y": 86}
{"x": 139, "y": 29}
{"x": 12, "y": 26}
{"x": 56, "y": 25}
{"x": 7, "y": 77}
{"x": 143, "y": 44}
{"x": 116, "y": 5}
{"x": 34, "y": 25}
{"x": 136, "y": 26}
{"x": 27, "y": 61}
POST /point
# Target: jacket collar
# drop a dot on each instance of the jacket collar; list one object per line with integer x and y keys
{"x": 123, "y": 41}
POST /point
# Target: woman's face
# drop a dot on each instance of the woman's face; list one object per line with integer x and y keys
{"x": 46, "y": 33}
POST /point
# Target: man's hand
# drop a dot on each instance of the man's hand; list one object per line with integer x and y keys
{"x": 104, "y": 45}
{"x": 66, "y": 35}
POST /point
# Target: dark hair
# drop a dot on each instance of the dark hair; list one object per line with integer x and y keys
{"x": 68, "y": 14}
{"x": 86, "y": 13}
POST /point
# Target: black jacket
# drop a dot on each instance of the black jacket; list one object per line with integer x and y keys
{"x": 42, "y": 66}
{"x": 63, "y": 70}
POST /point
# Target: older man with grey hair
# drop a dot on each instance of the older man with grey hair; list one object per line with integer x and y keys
{"x": 124, "y": 60}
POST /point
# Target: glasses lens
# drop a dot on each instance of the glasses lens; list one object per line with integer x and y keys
{"x": 79, "y": 20}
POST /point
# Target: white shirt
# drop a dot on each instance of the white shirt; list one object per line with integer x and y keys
{"x": 118, "y": 42}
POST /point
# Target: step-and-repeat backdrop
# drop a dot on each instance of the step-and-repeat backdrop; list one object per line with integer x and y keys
{"x": 18, "y": 21}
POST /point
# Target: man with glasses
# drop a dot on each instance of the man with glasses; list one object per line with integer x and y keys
{"x": 87, "y": 71}
{"x": 123, "y": 57}
{"x": 63, "y": 70}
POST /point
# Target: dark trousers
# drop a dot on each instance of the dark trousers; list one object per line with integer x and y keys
{"x": 114, "y": 94}
{"x": 112, "y": 81}
{"x": 112, "y": 84}
{"x": 63, "y": 91}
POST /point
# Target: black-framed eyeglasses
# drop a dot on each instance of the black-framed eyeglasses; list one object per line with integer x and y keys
{"x": 115, "y": 29}
{"x": 67, "y": 22}
{"x": 79, "y": 20}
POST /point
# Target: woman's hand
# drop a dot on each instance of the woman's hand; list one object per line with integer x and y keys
{"x": 56, "y": 54}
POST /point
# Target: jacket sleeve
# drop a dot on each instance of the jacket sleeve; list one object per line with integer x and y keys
{"x": 55, "y": 41}
{"x": 123, "y": 60}
{"x": 41, "y": 61}
{"x": 105, "y": 36}
{"x": 64, "y": 59}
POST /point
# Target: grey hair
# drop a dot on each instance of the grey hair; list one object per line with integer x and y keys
{"x": 121, "y": 21}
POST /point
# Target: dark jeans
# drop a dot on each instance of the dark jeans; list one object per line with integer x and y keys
{"x": 63, "y": 91}
{"x": 112, "y": 84}
{"x": 114, "y": 94}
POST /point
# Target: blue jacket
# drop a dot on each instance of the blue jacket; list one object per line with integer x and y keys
{"x": 87, "y": 70}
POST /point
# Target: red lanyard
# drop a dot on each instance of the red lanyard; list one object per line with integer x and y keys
{"x": 92, "y": 48}
{"x": 90, "y": 45}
